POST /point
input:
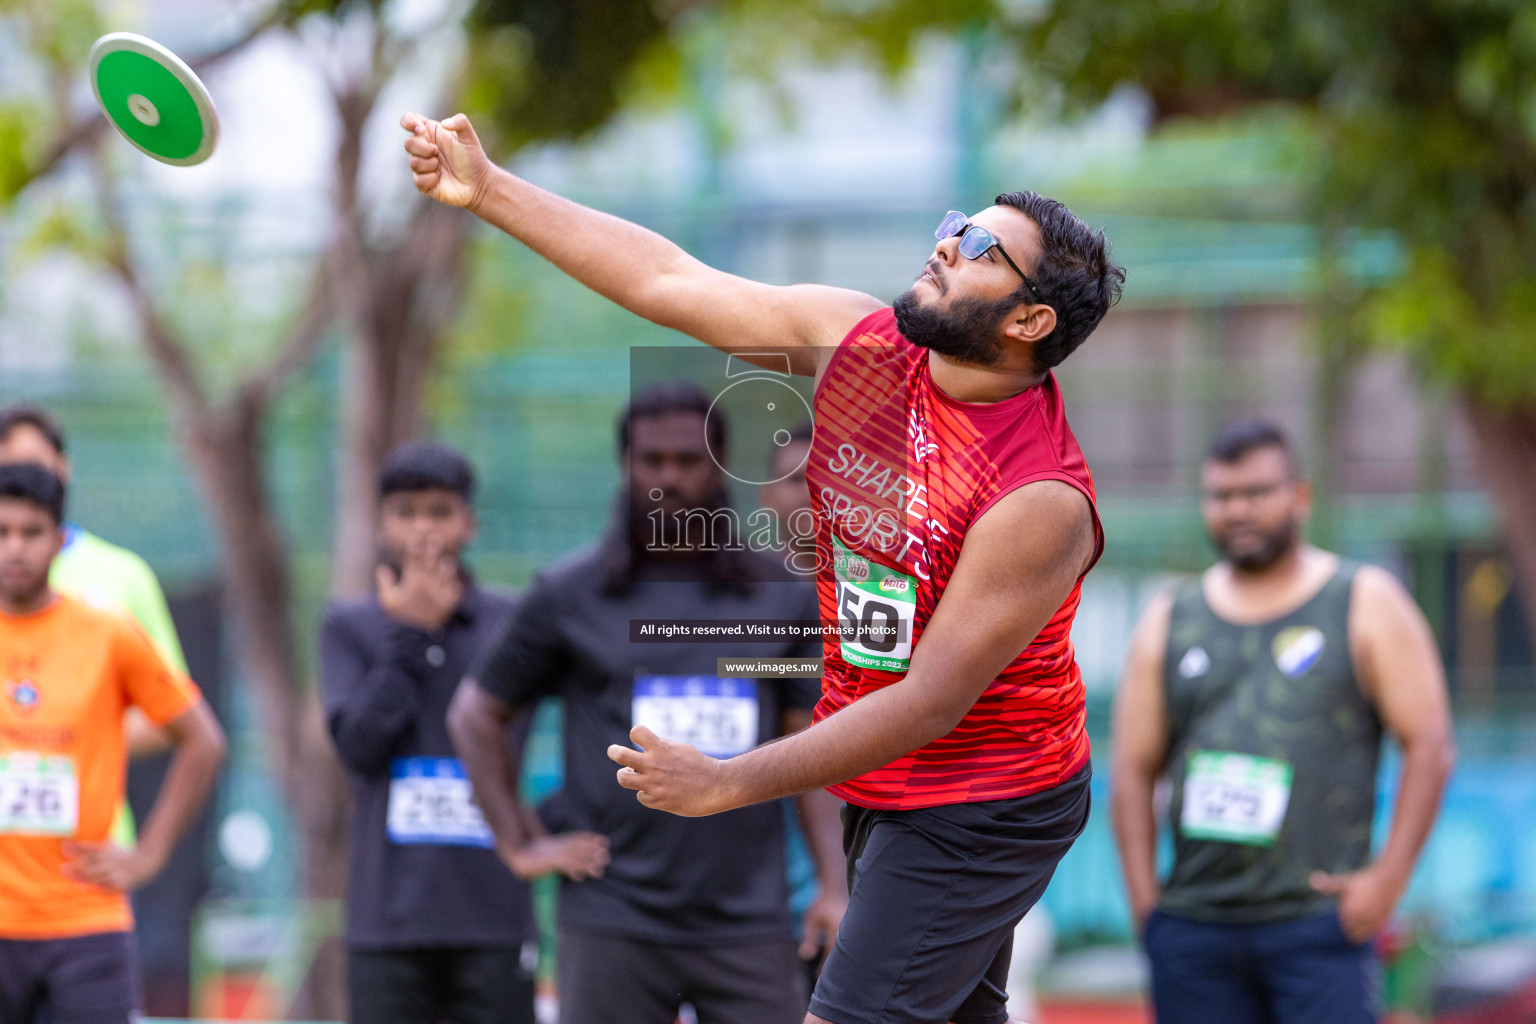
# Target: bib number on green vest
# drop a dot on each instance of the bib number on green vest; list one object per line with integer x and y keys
{"x": 876, "y": 609}
{"x": 1235, "y": 798}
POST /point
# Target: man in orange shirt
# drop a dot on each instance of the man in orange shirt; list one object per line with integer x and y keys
{"x": 68, "y": 672}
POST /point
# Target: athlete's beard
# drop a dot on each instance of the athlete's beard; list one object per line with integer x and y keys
{"x": 1281, "y": 542}
{"x": 967, "y": 332}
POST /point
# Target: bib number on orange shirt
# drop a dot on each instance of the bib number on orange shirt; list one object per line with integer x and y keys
{"x": 876, "y": 609}
{"x": 39, "y": 796}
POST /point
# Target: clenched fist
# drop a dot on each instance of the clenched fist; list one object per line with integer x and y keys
{"x": 447, "y": 161}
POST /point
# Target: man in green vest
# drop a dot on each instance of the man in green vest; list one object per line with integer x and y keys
{"x": 97, "y": 572}
{"x": 1260, "y": 690}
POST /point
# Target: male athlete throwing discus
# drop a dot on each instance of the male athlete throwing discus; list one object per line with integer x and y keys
{"x": 956, "y": 522}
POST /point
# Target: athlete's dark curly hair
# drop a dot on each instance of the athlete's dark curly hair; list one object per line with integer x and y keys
{"x": 1075, "y": 275}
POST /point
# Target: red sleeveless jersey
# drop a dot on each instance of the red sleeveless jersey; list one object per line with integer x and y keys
{"x": 898, "y": 472}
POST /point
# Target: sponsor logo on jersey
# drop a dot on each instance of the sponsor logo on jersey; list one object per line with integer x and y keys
{"x": 1297, "y": 649}
{"x": 895, "y": 583}
{"x": 1195, "y": 663}
{"x": 917, "y": 432}
{"x": 24, "y": 694}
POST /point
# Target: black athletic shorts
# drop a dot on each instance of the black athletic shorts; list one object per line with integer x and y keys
{"x": 612, "y": 979}
{"x": 465, "y": 985}
{"x": 934, "y": 897}
{"x": 85, "y": 979}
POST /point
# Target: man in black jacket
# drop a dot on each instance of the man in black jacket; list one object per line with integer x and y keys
{"x": 437, "y": 926}
{"x": 691, "y": 910}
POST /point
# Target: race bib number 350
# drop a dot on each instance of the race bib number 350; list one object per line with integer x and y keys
{"x": 715, "y": 716}
{"x": 876, "y": 609}
{"x": 430, "y": 802}
{"x": 1235, "y": 798}
{"x": 39, "y": 795}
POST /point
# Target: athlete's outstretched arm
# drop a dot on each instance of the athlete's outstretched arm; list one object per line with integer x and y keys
{"x": 1017, "y": 565}
{"x": 636, "y": 268}
{"x": 1399, "y": 666}
{"x": 1137, "y": 748}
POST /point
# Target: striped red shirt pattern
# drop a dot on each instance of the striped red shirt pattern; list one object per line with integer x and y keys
{"x": 898, "y": 472}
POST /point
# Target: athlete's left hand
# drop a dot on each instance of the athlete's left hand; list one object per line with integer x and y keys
{"x": 671, "y": 776}
{"x": 1366, "y": 898}
{"x": 108, "y": 865}
{"x": 820, "y": 923}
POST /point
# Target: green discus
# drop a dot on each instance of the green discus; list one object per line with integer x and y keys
{"x": 152, "y": 97}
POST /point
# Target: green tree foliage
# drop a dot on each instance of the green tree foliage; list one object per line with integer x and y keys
{"x": 539, "y": 70}
{"x": 1427, "y": 113}
{"x": 36, "y": 39}
{"x": 555, "y": 69}
{"x": 1422, "y": 116}
{"x": 536, "y": 70}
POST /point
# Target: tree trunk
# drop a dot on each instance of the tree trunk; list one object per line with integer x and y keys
{"x": 225, "y": 450}
{"x": 397, "y": 304}
{"x": 1507, "y": 442}
{"x": 396, "y": 299}
{"x": 224, "y": 447}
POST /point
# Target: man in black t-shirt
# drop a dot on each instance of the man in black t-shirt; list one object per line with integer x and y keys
{"x": 437, "y": 926}
{"x": 689, "y": 910}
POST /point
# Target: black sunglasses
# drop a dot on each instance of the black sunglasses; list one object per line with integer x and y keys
{"x": 975, "y": 240}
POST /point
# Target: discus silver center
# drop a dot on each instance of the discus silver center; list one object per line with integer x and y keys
{"x": 143, "y": 110}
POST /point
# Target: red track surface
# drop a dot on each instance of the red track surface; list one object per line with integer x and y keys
{"x": 1080, "y": 1012}
{"x": 1056, "y": 1011}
